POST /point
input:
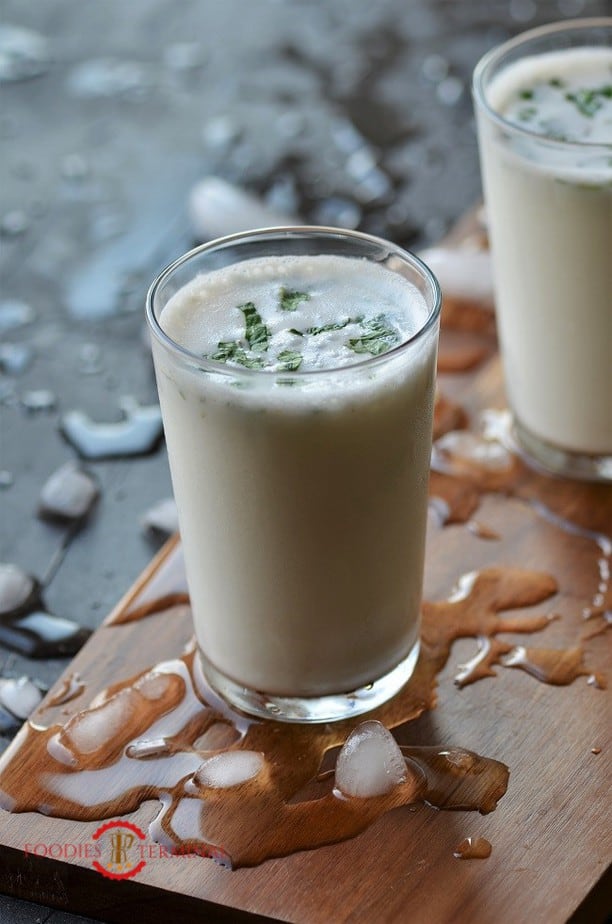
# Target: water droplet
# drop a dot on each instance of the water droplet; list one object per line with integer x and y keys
{"x": 220, "y": 131}
{"x": 90, "y": 359}
{"x": 15, "y": 313}
{"x": 184, "y": 56}
{"x": 290, "y": 124}
{"x": 449, "y": 91}
{"x": 571, "y": 7}
{"x": 15, "y": 358}
{"x": 435, "y": 68}
{"x": 14, "y": 223}
{"x": 40, "y": 399}
{"x": 101, "y": 78}
{"x": 283, "y": 195}
{"x": 74, "y": 167}
{"x": 337, "y": 212}
{"x": 105, "y": 224}
{"x": 522, "y": 10}
{"x": 7, "y": 389}
{"x": 23, "y": 54}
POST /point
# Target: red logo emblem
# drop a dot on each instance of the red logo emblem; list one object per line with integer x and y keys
{"x": 120, "y": 856}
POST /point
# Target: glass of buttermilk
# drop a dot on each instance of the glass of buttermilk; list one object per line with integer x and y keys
{"x": 544, "y": 111}
{"x": 296, "y": 373}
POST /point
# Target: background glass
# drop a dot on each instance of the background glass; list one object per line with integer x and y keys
{"x": 549, "y": 207}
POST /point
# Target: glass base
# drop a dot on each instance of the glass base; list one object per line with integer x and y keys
{"x": 562, "y": 461}
{"x": 308, "y": 709}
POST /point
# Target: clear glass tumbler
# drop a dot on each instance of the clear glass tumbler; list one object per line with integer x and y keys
{"x": 302, "y": 495}
{"x": 549, "y": 208}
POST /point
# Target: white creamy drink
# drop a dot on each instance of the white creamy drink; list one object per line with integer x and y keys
{"x": 299, "y": 452}
{"x": 548, "y": 186}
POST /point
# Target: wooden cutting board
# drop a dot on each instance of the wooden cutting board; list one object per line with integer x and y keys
{"x": 550, "y": 834}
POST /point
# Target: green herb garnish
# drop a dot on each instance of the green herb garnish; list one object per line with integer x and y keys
{"x": 586, "y": 101}
{"x": 378, "y": 336}
{"x": 556, "y": 82}
{"x": 257, "y": 333}
{"x": 334, "y": 325}
{"x": 526, "y": 94}
{"x": 230, "y": 350}
{"x": 298, "y": 333}
{"x": 291, "y": 360}
{"x": 527, "y": 113}
{"x": 290, "y": 299}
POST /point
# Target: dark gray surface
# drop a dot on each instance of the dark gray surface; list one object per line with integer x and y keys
{"x": 97, "y": 160}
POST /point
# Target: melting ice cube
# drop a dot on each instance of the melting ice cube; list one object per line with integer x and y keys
{"x": 23, "y": 53}
{"x": 153, "y": 685}
{"x": 370, "y": 762}
{"x": 91, "y": 730}
{"x": 230, "y": 768}
{"x": 135, "y": 435}
{"x": 69, "y": 492}
{"x": 15, "y": 313}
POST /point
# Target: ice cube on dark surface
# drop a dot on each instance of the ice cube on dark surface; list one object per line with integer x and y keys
{"x": 15, "y": 313}
{"x": 136, "y": 435}
{"x": 161, "y": 518}
{"x": 16, "y": 588}
{"x": 23, "y": 53}
{"x": 19, "y": 696}
{"x": 69, "y": 493}
{"x": 38, "y": 634}
{"x": 39, "y": 399}
{"x": 15, "y": 358}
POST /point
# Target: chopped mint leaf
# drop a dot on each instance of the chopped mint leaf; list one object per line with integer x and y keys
{"x": 527, "y": 113}
{"x": 556, "y": 82}
{"x": 586, "y": 101}
{"x": 526, "y": 94}
{"x": 606, "y": 91}
{"x": 290, "y": 299}
{"x": 298, "y": 333}
{"x": 378, "y": 336}
{"x": 231, "y": 351}
{"x": 334, "y": 325}
{"x": 257, "y": 334}
{"x": 291, "y": 360}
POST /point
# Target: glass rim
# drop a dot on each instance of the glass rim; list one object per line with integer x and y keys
{"x": 495, "y": 54}
{"x": 278, "y": 233}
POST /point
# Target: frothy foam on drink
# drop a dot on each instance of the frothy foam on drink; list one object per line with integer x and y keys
{"x": 298, "y": 313}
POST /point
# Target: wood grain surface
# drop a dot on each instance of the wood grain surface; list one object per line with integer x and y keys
{"x": 551, "y": 832}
